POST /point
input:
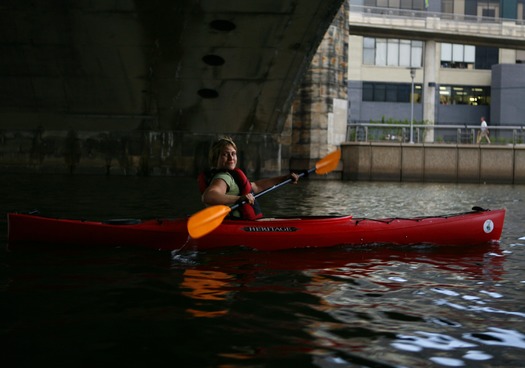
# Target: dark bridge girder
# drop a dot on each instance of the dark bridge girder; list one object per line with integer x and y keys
{"x": 189, "y": 65}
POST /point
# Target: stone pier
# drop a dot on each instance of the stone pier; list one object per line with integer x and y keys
{"x": 319, "y": 113}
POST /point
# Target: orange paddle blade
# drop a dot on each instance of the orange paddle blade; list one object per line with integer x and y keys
{"x": 328, "y": 163}
{"x": 207, "y": 220}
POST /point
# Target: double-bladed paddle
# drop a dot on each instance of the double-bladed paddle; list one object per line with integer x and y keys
{"x": 208, "y": 219}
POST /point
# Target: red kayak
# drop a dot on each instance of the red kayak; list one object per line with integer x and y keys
{"x": 470, "y": 228}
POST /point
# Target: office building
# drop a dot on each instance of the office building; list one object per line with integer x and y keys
{"x": 462, "y": 59}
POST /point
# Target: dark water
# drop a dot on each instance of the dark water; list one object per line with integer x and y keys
{"x": 369, "y": 307}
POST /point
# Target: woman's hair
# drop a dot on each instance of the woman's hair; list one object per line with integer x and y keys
{"x": 217, "y": 148}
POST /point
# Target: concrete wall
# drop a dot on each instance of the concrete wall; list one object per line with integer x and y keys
{"x": 508, "y": 94}
{"x": 462, "y": 114}
{"x": 459, "y": 163}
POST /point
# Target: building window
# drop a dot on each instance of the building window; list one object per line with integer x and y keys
{"x": 397, "y": 4}
{"x": 468, "y": 57}
{"x": 520, "y": 57}
{"x": 447, "y": 6}
{"x": 483, "y": 8}
{"x": 486, "y": 57}
{"x": 369, "y": 50}
{"x": 488, "y": 8}
{"x": 392, "y": 52}
{"x": 464, "y": 95}
{"x": 457, "y": 56}
{"x": 390, "y": 92}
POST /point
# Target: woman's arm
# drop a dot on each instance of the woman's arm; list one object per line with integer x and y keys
{"x": 216, "y": 194}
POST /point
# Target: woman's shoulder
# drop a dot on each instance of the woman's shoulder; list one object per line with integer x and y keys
{"x": 206, "y": 177}
{"x": 223, "y": 175}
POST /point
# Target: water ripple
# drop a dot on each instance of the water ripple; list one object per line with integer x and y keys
{"x": 499, "y": 337}
{"x": 373, "y": 307}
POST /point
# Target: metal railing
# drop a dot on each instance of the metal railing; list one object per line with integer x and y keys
{"x": 424, "y": 133}
{"x": 440, "y": 26}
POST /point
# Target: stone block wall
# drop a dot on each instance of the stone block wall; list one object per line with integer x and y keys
{"x": 132, "y": 152}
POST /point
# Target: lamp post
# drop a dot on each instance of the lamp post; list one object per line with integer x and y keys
{"x": 412, "y": 75}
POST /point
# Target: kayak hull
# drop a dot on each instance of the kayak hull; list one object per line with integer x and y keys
{"x": 471, "y": 228}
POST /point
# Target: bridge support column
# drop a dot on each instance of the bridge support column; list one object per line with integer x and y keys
{"x": 319, "y": 112}
{"x": 430, "y": 87}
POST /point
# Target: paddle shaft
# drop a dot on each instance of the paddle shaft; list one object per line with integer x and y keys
{"x": 273, "y": 187}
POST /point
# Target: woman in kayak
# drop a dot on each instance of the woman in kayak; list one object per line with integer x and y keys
{"x": 225, "y": 184}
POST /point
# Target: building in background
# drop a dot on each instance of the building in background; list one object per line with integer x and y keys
{"x": 456, "y": 82}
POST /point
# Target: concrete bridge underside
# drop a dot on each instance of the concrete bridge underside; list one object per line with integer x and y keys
{"x": 195, "y": 66}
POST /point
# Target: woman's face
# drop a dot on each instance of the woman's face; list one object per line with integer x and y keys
{"x": 228, "y": 158}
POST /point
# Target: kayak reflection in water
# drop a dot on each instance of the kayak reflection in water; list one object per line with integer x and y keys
{"x": 226, "y": 184}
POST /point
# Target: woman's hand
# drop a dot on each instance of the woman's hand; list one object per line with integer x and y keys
{"x": 248, "y": 198}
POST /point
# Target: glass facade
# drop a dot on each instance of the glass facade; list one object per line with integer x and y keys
{"x": 464, "y": 95}
{"x": 399, "y": 4}
{"x": 392, "y": 52}
{"x": 447, "y": 6}
{"x": 390, "y": 92}
{"x": 457, "y": 56}
{"x": 468, "y": 57}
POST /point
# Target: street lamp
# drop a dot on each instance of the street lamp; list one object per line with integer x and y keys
{"x": 412, "y": 75}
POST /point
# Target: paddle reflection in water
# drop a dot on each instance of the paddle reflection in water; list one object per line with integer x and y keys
{"x": 204, "y": 286}
{"x": 343, "y": 299}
